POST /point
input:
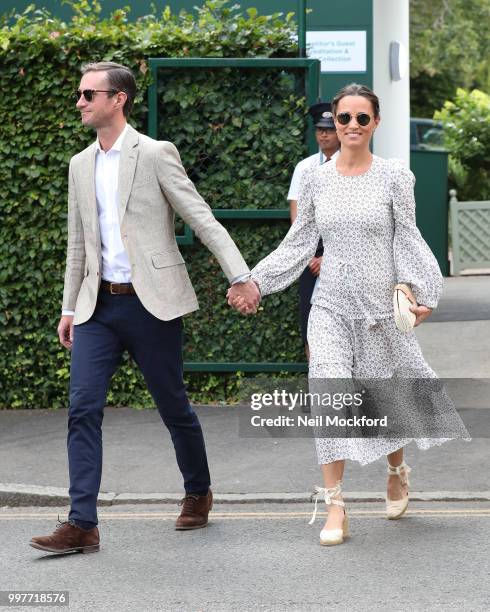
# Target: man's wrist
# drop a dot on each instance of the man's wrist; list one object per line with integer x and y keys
{"x": 67, "y": 313}
{"x": 243, "y": 278}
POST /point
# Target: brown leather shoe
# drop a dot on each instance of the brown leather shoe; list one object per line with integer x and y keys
{"x": 68, "y": 538}
{"x": 195, "y": 510}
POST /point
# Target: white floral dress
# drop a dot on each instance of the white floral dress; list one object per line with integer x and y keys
{"x": 371, "y": 242}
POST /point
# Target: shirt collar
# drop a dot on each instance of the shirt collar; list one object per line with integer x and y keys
{"x": 117, "y": 145}
{"x": 323, "y": 158}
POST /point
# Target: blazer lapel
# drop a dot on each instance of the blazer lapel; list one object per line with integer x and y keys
{"x": 127, "y": 167}
{"x": 89, "y": 190}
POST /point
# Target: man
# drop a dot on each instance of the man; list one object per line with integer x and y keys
{"x": 126, "y": 288}
{"x": 329, "y": 144}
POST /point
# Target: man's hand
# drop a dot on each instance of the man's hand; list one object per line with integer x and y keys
{"x": 315, "y": 265}
{"x": 421, "y": 312}
{"x": 244, "y": 297}
{"x": 65, "y": 331}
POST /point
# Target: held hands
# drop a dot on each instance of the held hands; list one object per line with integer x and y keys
{"x": 315, "y": 265}
{"x": 65, "y": 331}
{"x": 244, "y": 297}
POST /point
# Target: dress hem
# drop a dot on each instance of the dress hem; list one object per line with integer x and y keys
{"x": 422, "y": 444}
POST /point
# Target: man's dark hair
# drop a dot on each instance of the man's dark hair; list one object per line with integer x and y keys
{"x": 119, "y": 78}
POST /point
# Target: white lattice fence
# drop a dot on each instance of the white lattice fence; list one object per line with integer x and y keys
{"x": 470, "y": 229}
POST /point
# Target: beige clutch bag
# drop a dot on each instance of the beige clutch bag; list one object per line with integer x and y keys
{"x": 404, "y": 317}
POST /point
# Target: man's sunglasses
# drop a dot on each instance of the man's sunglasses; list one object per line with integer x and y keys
{"x": 362, "y": 119}
{"x": 88, "y": 94}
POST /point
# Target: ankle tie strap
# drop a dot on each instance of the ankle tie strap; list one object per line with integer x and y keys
{"x": 328, "y": 495}
{"x": 396, "y": 470}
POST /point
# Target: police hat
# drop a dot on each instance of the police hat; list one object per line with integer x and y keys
{"x": 322, "y": 115}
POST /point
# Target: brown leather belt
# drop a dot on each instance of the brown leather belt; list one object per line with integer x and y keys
{"x": 117, "y": 288}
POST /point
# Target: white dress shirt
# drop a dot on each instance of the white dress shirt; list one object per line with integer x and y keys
{"x": 317, "y": 159}
{"x": 115, "y": 263}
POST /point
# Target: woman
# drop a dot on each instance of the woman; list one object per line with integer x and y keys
{"x": 363, "y": 208}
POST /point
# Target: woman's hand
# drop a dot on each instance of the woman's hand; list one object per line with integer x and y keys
{"x": 244, "y": 297}
{"x": 421, "y": 312}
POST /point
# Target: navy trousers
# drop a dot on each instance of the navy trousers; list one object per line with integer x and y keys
{"x": 119, "y": 323}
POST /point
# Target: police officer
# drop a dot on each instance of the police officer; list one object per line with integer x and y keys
{"x": 329, "y": 144}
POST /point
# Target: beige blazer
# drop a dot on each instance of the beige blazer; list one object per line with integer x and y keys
{"x": 153, "y": 186}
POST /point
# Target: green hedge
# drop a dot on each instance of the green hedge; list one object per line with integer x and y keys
{"x": 466, "y": 121}
{"x": 239, "y": 135}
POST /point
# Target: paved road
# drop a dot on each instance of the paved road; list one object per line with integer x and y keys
{"x": 465, "y": 298}
{"x": 261, "y": 557}
{"x": 139, "y": 457}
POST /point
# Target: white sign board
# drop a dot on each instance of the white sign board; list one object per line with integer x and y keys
{"x": 338, "y": 51}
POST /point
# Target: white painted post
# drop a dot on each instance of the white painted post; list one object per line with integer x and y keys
{"x": 391, "y": 25}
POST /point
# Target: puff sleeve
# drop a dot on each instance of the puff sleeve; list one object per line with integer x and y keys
{"x": 415, "y": 263}
{"x": 284, "y": 265}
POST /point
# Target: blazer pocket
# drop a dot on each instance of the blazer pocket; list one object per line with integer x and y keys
{"x": 169, "y": 258}
{"x": 142, "y": 182}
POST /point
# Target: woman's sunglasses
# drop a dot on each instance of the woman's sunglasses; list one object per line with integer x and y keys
{"x": 88, "y": 94}
{"x": 362, "y": 119}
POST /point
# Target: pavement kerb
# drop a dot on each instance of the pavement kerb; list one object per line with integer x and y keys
{"x": 13, "y": 494}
